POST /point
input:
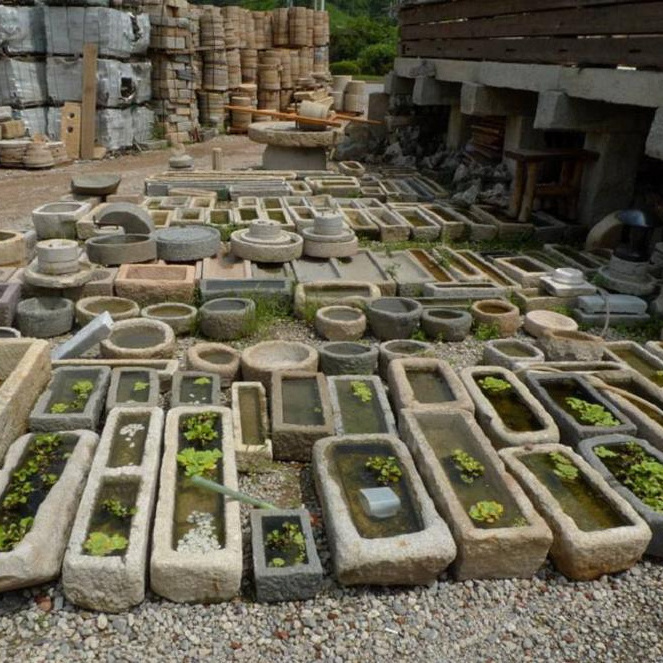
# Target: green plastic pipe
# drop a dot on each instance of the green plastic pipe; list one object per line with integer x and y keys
{"x": 224, "y": 490}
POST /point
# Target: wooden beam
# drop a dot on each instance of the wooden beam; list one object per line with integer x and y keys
{"x": 89, "y": 101}
{"x": 70, "y": 129}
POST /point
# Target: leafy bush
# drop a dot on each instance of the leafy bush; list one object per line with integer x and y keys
{"x": 344, "y": 68}
{"x": 377, "y": 59}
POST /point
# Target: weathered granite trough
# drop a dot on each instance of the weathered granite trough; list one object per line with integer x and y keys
{"x": 640, "y": 360}
{"x": 464, "y": 475}
{"x": 74, "y": 400}
{"x": 420, "y": 383}
{"x": 506, "y": 410}
{"x": 340, "y": 323}
{"x": 180, "y": 570}
{"x": 119, "y": 308}
{"x": 402, "y": 349}
{"x": 195, "y": 388}
{"x": 139, "y": 338}
{"x": 360, "y": 405}
{"x": 586, "y": 420}
{"x": 595, "y": 531}
{"x": 410, "y": 547}
{"x": 287, "y": 579}
{"x": 106, "y": 560}
{"x": 181, "y": 318}
{"x": 511, "y": 353}
{"x": 301, "y": 413}
{"x": 227, "y": 319}
{"x": 312, "y": 296}
{"x": 25, "y": 369}
{"x": 133, "y": 387}
{"x": 36, "y": 556}
{"x": 642, "y": 496}
{"x": 250, "y": 421}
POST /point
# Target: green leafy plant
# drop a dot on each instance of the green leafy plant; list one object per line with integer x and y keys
{"x": 13, "y": 533}
{"x": 419, "y": 335}
{"x": 385, "y": 469}
{"x": 118, "y": 509}
{"x": 18, "y": 493}
{"x": 470, "y": 468}
{"x": 202, "y": 380}
{"x": 494, "y": 385}
{"x": 604, "y": 452}
{"x": 486, "y": 511}
{"x": 59, "y": 408}
{"x": 49, "y": 480}
{"x": 564, "y": 467}
{"x": 81, "y": 390}
{"x": 101, "y": 544}
{"x": 289, "y": 539}
{"x": 200, "y": 428}
{"x": 593, "y": 414}
{"x": 198, "y": 463}
{"x": 140, "y": 386}
{"x": 361, "y": 391}
{"x": 486, "y": 332}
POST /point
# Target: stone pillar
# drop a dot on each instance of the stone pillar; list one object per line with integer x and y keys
{"x": 608, "y": 183}
{"x": 458, "y": 128}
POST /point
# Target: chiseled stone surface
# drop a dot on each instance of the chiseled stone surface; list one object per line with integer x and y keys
{"x": 154, "y": 284}
{"x": 115, "y": 583}
{"x": 509, "y": 551}
{"x": 580, "y": 554}
{"x": 286, "y": 134}
{"x": 38, "y": 557}
{"x": 409, "y": 559}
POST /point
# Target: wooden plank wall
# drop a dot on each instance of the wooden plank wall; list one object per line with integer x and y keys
{"x": 603, "y": 33}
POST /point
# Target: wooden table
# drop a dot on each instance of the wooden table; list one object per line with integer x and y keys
{"x": 526, "y": 186}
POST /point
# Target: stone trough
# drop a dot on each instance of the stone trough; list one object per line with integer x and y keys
{"x": 250, "y": 421}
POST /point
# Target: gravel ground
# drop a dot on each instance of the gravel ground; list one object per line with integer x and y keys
{"x": 546, "y": 618}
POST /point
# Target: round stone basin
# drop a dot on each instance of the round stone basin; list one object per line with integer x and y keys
{"x": 407, "y": 347}
{"x": 137, "y": 338}
{"x": 394, "y": 305}
{"x": 261, "y": 360}
{"x": 445, "y": 315}
{"x": 119, "y": 308}
{"x": 348, "y": 348}
{"x": 220, "y": 305}
{"x": 217, "y": 357}
{"x": 342, "y": 313}
{"x": 494, "y": 308}
{"x": 60, "y": 208}
{"x": 9, "y": 332}
{"x": 168, "y": 310}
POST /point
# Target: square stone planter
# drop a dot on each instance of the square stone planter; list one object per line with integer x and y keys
{"x": 38, "y": 556}
{"x": 195, "y": 388}
{"x": 420, "y": 383}
{"x": 154, "y": 284}
{"x": 610, "y": 538}
{"x": 25, "y": 369}
{"x": 301, "y": 414}
{"x": 652, "y": 517}
{"x": 296, "y": 582}
{"x": 410, "y": 548}
{"x": 542, "y": 385}
{"x": 512, "y": 418}
{"x": 250, "y": 421}
{"x": 354, "y": 415}
{"x": 516, "y": 545}
{"x": 60, "y": 390}
{"x": 511, "y": 353}
{"x": 133, "y": 387}
{"x": 211, "y": 572}
{"x": 115, "y": 582}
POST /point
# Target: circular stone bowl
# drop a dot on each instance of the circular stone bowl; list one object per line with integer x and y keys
{"x": 497, "y": 313}
{"x": 446, "y": 324}
{"x": 44, "y": 317}
{"x": 118, "y": 308}
{"x": 340, "y": 323}
{"x": 346, "y": 358}
{"x": 121, "y": 249}
{"x": 261, "y": 360}
{"x": 393, "y": 317}
{"x": 536, "y": 322}
{"x": 139, "y": 338}
{"x": 57, "y": 256}
{"x": 180, "y": 317}
{"x": 402, "y": 348}
{"x": 227, "y": 319}
{"x": 215, "y": 358}
{"x": 187, "y": 243}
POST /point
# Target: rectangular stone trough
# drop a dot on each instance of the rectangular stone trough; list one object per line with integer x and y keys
{"x": 411, "y": 546}
{"x": 506, "y": 228}
{"x": 310, "y": 270}
{"x": 393, "y": 227}
{"x": 492, "y": 272}
{"x": 250, "y": 421}
{"x": 511, "y": 417}
{"x": 226, "y": 266}
{"x": 430, "y": 263}
{"x": 301, "y": 414}
{"x": 637, "y": 358}
{"x": 531, "y": 299}
{"x": 133, "y": 387}
{"x": 653, "y": 517}
{"x": 55, "y": 410}
{"x": 516, "y": 542}
{"x": 552, "y": 390}
{"x": 154, "y": 284}
{"x": 311, "y": 296}
{"x": 292, "y": 582}
{"x": 421, "y": 383}
{"x": 361, "y": 223}
{"x": 115, "y": 581}
{"x": 423, "y": 227}
{"x": 364, "y": 266}
{"x": 279, "y": 290}
{"x": 37, "y": 558}
{"x": 474, "y": 290}
{"x": 25, "y": 369}
{"x": 407, "y": 271}
{"x": 181, "y": 568}
{"x": 450, "y": 222}
{"x": 460, "y": 268}
{"x": 195, "y": 388}
{"x": 595, "y": 531}
{"x": 527, "y": 271}
{"x": 360, "y": 405}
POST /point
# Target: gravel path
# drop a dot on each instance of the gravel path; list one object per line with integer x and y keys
{"x": 546, "y": 618}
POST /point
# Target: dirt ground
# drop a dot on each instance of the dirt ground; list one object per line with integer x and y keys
{"x": 21, "y": 191}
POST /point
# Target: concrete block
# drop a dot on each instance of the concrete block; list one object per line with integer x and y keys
{"x": 478, "y": 99}
{"x": 430, "y": 92}
{"x": 115, "y": 582}
{"x": 395, "y": 84}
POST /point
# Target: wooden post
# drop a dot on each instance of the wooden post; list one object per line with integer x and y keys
{"x": 89, "y": 101}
